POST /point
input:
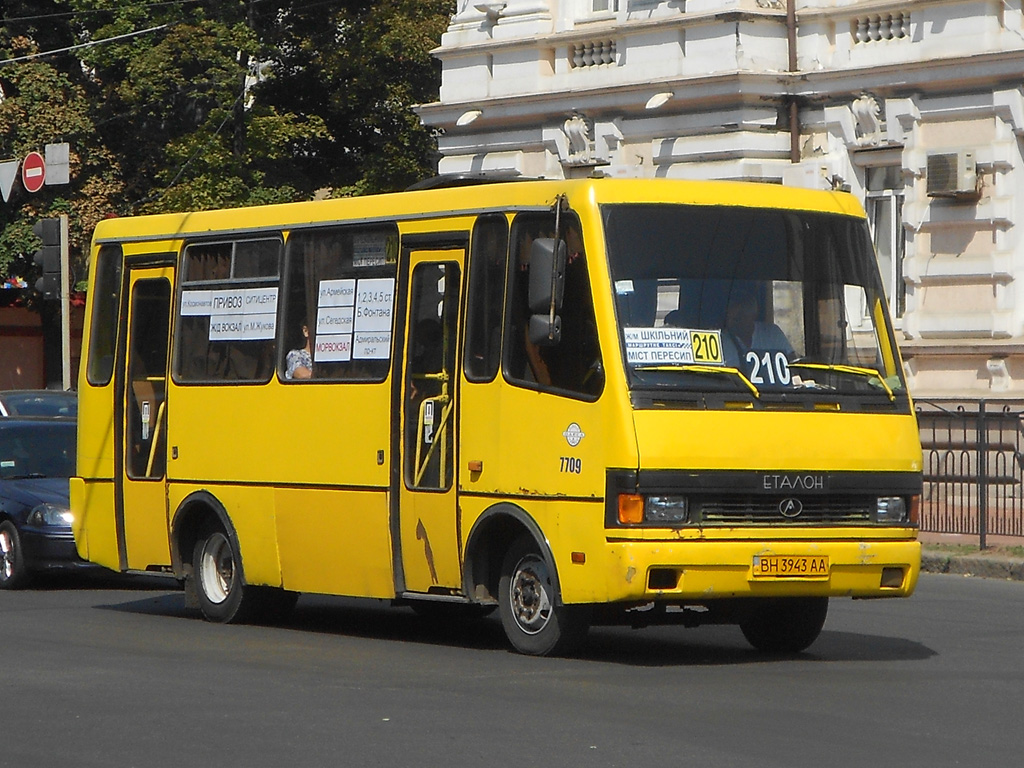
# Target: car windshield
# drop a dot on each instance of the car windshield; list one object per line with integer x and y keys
{"x": 37, "y": 449}
{"x": 40, "y": 403}
{"x": 760, "y": 302}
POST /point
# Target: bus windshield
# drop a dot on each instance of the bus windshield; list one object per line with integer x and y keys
{"x": 755, "y": 301}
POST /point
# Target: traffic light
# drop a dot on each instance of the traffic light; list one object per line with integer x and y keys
{"x": 48, "y": 257}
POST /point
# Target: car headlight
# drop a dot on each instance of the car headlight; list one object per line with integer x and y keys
{"x": 50, "y": 515}
{"x": 891, "y": 509}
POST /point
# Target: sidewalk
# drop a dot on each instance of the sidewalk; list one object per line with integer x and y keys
{"x": 994, "y": 563}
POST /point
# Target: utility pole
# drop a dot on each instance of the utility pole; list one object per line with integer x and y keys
{"x": 65, "y": 304}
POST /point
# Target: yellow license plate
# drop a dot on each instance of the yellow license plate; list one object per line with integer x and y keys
{"x": 790, "y": 567}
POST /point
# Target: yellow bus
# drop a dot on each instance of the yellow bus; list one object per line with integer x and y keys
{"x": 578, "y": 402}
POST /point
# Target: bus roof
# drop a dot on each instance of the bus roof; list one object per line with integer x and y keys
{"x": 508, "y": 195}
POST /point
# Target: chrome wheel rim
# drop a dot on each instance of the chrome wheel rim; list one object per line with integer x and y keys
{"x": 529, "y": 594}
{"x": 6, "y": 555}
{"x": 217, "y": 568}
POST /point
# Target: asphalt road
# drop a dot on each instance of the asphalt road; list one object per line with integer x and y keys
{"x": 101, "y": 676}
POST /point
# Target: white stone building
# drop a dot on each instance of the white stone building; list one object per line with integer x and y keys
{"x": 916, "y": 107}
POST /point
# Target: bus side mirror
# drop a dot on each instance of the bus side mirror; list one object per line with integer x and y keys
{"x": 543, "y": 332}
{"x": 547, "y": 274}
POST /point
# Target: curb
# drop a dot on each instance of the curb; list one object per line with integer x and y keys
{"x": 985, "y": 567}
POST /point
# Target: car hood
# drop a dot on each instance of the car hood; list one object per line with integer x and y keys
{"x": 31, "y": 491}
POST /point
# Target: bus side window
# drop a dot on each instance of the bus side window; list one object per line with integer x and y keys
{"x": 340, "y": 290}
{"x": 487, "y": 267}
{"x": 106, "y": 303}
{"x": 228, "y": 311}
{"x": 574, "y": 365}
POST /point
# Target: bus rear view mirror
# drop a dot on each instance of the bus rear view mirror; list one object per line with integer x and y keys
{"x": 543, "y": 332}
{"x": 547, "y": 274}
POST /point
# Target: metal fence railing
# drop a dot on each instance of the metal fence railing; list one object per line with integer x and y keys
{"x": 973, "y": 467}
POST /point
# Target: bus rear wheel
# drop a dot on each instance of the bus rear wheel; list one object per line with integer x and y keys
{"x": 533, "y": 621}
{"x": 785, "y": 624}
{"x": 220, "y": 586}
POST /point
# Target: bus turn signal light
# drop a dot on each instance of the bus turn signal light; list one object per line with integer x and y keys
{"x": 631, "y": 508}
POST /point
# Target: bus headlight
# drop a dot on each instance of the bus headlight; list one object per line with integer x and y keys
{"x": 636, "y": 509}
{"x": 891, "y": 509}
{"x": 666, "y": 509}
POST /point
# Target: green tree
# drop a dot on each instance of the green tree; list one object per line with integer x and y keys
{"x": 42, "y": 104}
{"x": 178, "y": 107}
{"x": 361, "y": 66}
{"x": 212, "y": 103}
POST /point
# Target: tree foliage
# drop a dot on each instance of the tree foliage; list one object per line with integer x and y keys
{"x": 216, "y": 103}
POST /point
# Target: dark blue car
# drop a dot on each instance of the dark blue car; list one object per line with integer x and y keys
{"x": 37, "y": 456}
{"x": 38, "y": 402}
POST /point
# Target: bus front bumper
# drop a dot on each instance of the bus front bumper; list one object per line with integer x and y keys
{"x": 700, "y": 570}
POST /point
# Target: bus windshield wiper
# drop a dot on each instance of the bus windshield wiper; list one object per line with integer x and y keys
{"x": 871, "y": 374}
{"x": 712, "y": 369}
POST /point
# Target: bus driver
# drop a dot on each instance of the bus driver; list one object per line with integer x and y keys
{"x": 745, "y": 332}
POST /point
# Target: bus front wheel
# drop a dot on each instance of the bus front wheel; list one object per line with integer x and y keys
{"x": 533, "y": 621}
{"x": 785, "y": 624}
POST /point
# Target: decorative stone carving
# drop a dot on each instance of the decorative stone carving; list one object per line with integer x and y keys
{"x": 579, "y": 134}
{"x": 866, "y": 111}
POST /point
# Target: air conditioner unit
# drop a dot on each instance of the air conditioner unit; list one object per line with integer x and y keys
{"x": 952, "y": 174}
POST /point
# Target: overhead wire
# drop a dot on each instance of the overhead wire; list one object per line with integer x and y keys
{"x": 30, "y": 56}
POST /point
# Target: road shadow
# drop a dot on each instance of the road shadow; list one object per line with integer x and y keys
{"x": 99, "y": 578}
{"x": 652, "y": 647}
{"x": 725, "y": 646}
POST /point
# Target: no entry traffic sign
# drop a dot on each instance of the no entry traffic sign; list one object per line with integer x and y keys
{"x": 33, "y": 172}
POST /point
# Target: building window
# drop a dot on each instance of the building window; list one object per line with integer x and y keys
{"x": 884, "y": 204}
{"x": 604, "y": 6}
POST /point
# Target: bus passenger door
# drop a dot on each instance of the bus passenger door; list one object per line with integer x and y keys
{"x": 143, "y": 531}
{"x": 428, "y": 510}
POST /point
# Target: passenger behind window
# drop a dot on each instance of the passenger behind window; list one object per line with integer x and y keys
{"x": 299, "y": 362}
{"x": 745, "y": 330}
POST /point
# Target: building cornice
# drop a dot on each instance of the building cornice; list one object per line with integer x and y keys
{"x": 588, "y": 30}
{"x": 608, "y": 28}
{"x": 739, "y": 87}
{"x": 725, "y": 88}
{"x": 932, "y": 74}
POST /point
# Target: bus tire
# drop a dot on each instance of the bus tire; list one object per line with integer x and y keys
{"x": 219, "y": 582}
{"x": 533, "y": 620}
{"x": 785, "y": 624}
{"x": 13, "y": 571}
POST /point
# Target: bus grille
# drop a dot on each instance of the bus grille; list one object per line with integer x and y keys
{"x": 753, "y": 509}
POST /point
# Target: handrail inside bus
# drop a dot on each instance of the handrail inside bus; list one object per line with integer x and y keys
{"x": 156, "y": 438}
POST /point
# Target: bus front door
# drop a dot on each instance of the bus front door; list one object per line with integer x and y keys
{"x": 428, "y": 526}
{"x": 143, "y": 536}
